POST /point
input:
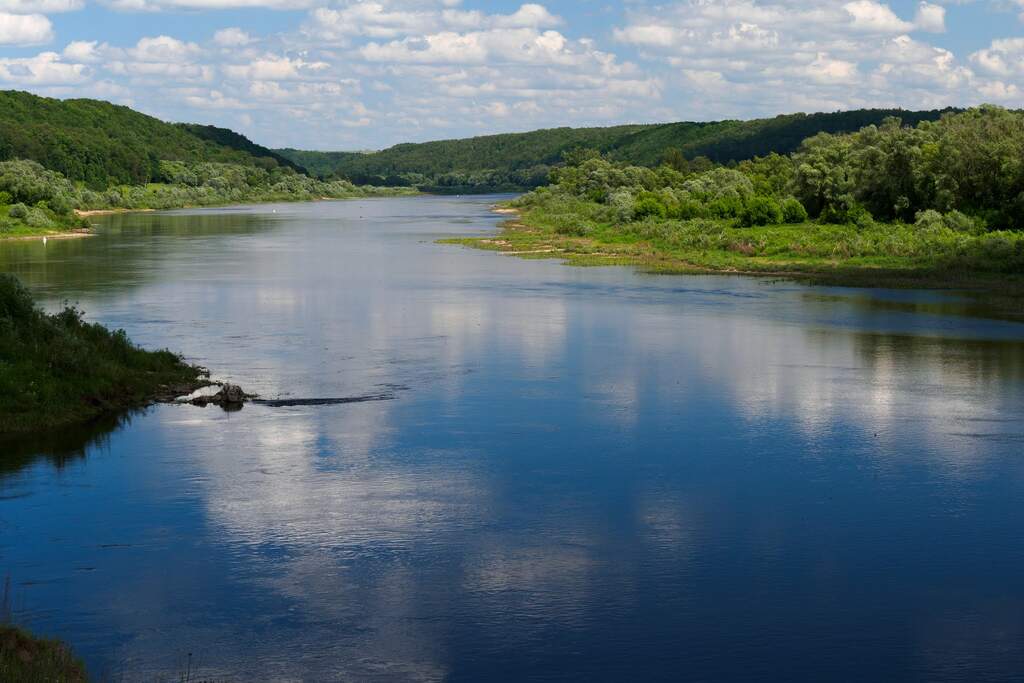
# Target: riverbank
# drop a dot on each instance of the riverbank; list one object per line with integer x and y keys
{"x": 881, "y": 256}
{"x": 36, "y": 202}
{"x": 57, "y": 370}
{"x": 28, "y": 659}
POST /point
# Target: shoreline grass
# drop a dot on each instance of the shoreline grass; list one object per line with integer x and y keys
{"x": 667, "y": 247}
{"x": 58, "y": 370}
{"x": 28, "y": 659}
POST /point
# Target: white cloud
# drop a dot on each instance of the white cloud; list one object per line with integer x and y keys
{"x": 232, "y": 37}
{"x": 164, "y": 49}
{"x": 275, "y": 68}
{"x": 384, "y": 21}
{"x": 43, "y": 69}
{"x": 931, "y": 18}
{"x": 159, "y": 5}
{"x": 501, "y": 45}
{"x": 875, "y": 17}
{"x": 826, "y": 69}
{"x": 83, "y": 51}
{"x": 40, "y": 6}
{"x": 24, "y": 29}
{"x": 1003, "y": 57}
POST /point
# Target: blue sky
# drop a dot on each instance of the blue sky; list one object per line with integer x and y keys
{"x": 353, "y": 74}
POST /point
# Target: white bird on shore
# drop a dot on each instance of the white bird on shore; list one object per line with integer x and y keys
{"x": 44, "y": 241}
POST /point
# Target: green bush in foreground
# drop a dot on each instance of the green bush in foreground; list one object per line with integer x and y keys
{"x": 58, "y": 369}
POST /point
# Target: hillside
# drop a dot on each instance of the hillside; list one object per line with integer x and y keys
{"x": 104, "y": 144}
{"x": 522, "y": 159}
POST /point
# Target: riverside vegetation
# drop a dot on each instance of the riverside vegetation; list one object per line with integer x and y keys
{"x": 38, "y": 201}
{"x": 939, "y": 203}
{"x": 58, "y": 370}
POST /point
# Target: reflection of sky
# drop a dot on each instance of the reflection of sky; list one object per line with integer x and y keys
{"x": 585, "y": 470}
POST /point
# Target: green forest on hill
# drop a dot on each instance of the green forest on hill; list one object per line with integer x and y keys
{"x": 57, "y": 156}
{"x": 518, "y": 161}
{"x": 102, "y": 144}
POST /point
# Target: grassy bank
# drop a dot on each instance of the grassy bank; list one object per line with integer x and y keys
{"x": 877, "y": 255}
{"x": 58, "y": 370}
{"x": 27, "y": 659}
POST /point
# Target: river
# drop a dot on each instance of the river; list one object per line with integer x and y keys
{"x": 579, "y": 473}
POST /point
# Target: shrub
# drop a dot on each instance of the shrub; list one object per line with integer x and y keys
{"x": 761, "y": 210}
{"x": 793, "y": 211}
{"x": 5, "y": 198}
{"x": 929, "y": 221}
{"x": 648, "y": 204}
{"x": 959, "y": 222}
{"x": 726, "y": 207}
{"x": 689, "y": 209}
{"x": 38, "y": 218}
{"x": 623, "y": 203}
{"x": 18, "y": 211}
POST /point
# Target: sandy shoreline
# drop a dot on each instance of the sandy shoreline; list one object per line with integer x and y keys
{"x": 70, "y": 235}
{"x": 108, "y": 212}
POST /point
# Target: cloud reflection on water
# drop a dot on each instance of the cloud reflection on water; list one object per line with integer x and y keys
{"x": 578, "y": 453}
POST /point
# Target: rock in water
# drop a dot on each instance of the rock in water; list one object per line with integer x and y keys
{"x": 232, "y": 394}
{"x": 230, "y": 397}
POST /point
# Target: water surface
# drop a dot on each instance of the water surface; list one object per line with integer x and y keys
{"x": 589, "y": 474}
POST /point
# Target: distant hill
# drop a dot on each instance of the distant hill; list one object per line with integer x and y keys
{"x": 104, "y": 144}
{"x": 520, "y": 159}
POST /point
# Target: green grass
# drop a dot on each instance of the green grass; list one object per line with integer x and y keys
{"x": 888, "y": 255}
{"x": 58, "y": 370}
{"x": 26, "y": 659}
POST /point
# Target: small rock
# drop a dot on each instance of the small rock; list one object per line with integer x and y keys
{"x": 230, "y": 396}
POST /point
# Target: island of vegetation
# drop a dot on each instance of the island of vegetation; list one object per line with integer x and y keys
{"x": 936, "y": 204}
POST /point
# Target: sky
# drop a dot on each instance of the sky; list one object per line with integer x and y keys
{"x": 355, "y": 75}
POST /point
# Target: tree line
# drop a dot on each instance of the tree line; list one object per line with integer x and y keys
{"x": 964, "y": 171}
{"x": 520, "y": 161}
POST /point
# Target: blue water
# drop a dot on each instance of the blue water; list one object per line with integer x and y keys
{"x": 585, "y": 474}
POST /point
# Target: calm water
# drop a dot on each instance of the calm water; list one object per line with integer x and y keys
{"x": 586, "y": 473}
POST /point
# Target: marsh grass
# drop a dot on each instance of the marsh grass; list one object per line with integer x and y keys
{"x": 58, "y": 370}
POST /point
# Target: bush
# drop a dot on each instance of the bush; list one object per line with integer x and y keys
{"x": 623, "y": 203}
{"x": 761, "y": 210}
{"x": 726, "y": 207}
{"x": 929, "y": 221}
{"x": 689, "y": 209}
{"x": 647, "y": 204}
{"x": 959, "y": 222}
{"x": 793, "y": 211}
{"x": 5, "y": 198}
{"x": 18, "y": 211}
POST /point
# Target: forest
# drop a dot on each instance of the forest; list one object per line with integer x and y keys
{"x": 101, "y": 144}
{"x": 518, "y": 161}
